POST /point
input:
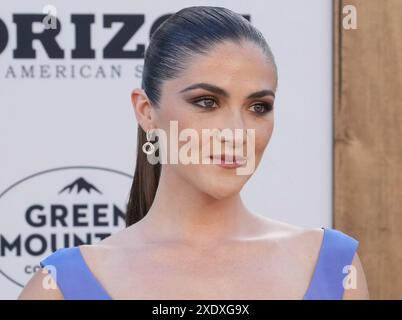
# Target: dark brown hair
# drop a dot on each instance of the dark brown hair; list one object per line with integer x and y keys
{"x": 189, "y": 32}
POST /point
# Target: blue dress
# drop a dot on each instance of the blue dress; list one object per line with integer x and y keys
{"x": 77, "y": 282}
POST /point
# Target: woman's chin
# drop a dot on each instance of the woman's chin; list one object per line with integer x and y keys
{"x": 221, "y": 190}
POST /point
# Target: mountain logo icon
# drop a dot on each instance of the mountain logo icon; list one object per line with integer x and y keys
{"x": 80, "y": 184}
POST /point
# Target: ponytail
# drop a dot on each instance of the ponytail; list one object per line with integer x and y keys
{"x": 145, "y": 183}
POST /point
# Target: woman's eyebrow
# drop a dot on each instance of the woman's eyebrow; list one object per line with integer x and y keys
{"x": 222, "y": 92}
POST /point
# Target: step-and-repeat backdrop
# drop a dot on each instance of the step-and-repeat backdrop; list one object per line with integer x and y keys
{"x": 68, "y": 131}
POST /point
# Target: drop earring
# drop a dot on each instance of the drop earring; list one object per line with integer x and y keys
{"x": 148, "y": 147}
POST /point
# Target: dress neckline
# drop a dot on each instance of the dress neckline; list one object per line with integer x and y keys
{"x": 105, "y": 292}
{"x": 316, "y": 263}
{"x": 91, "y": 274}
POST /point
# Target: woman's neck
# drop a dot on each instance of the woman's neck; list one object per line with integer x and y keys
{"x": 181, "y": 213}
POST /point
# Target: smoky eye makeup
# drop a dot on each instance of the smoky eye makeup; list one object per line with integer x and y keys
{"x": 209, "y": 102}
{"x": 262, "y": 108}
{"x": 205, "y": 102}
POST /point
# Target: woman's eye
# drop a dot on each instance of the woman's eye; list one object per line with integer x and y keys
{"x": 207, "y": 103}
{"x": 262, "y": 108}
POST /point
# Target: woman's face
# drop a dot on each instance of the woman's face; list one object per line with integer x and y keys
{"x": 238, "y": 72}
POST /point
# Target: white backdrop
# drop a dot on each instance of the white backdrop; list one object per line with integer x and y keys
{"x": 68, "y": 132}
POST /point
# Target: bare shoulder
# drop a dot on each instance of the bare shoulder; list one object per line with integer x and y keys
{"x": 41, "y": 287}
{"x": 358, "y": 289}
{"x": 295, "y": 235}
{"x": 111, "y": 249}
{"x": 303, "y": 244}
{"x": 306, "y": 244}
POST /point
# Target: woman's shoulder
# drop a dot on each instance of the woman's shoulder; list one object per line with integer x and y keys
{"x": 44, "y": 284}
{"x": 310, "y": 243}
{"x": 41, "y": 287}
{"x": 287, "y": 231}
{"x": 63, "y": 253}
{"x": 331, "y": 255}
{"x": 72, "y": 271}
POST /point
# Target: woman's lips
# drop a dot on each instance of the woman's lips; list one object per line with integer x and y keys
{"x": 228, "y": 162}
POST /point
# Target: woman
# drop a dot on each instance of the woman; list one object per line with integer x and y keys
{"x": 189, "y": 234}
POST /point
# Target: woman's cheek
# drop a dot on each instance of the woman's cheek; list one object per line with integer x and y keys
{"x": 262, "y": 138}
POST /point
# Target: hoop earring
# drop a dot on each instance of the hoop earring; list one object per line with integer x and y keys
{"x": 148, "y": 144}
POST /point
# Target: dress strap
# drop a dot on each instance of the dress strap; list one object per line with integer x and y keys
{"x": 72, "y": 275}
{"x": 337, "y": 252}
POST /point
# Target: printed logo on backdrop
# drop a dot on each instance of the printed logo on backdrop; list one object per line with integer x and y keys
{"x": 57, "y": 208}
{"x": 59, "y": 57}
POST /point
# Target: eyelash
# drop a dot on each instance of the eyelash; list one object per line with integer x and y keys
{"x": 267, "y": 106}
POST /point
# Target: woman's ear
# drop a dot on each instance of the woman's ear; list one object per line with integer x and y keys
{"x": 142, "y": 108}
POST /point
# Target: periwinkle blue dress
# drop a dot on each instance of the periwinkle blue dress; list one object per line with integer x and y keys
{"x": 76, "y": 281}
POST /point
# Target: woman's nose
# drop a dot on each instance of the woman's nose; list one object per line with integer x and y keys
{"x": 233, "y": 129}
